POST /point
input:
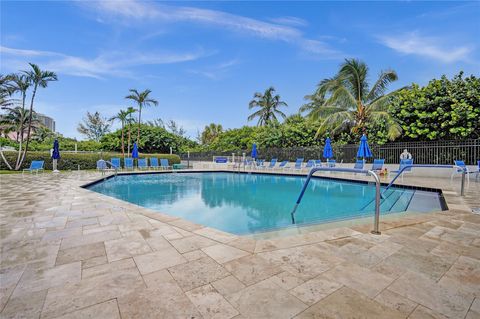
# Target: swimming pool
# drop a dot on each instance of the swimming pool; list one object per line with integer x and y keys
{"x": 250, "y": 203}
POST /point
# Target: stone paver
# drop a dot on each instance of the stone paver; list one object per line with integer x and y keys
{"x": 67, "y": 252}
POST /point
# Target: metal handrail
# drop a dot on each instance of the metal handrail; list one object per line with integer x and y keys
{"x": 111, "y": 164}
{"x": 347, "y": 170}
{"x": 463, "y": 169}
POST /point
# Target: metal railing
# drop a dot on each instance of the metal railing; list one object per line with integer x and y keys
{"x": 400, "y": 172}
{"x": 424, "y": 152}
{"x": 346, "y": 170}
{"x": 104, "y": 167}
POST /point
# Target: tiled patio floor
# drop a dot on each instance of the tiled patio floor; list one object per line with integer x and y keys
{"x": 67, "y": 252}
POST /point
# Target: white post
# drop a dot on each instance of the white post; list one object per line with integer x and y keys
{"x": 75, "y": 147}
{"x": 171, "y": 150}
{"x": 233, "y": 157}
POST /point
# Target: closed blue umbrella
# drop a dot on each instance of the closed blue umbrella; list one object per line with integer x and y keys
{"x": 364, "y": 150}
{"x": 135, "y": 150}
{"x": 55, "y": 155}
{"x": 254, "y": 150}
{"x": 327, "y": 149}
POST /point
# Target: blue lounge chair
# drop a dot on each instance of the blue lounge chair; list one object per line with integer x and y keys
{"x": 272, "y": 164}
{"x": 221, "y": 160}
{"x": 260, "y": 163}
{"x": 331, "y": 163}
{"x": 282, "y": 165}
{"x": 35, "y": 166}
{"x": 378, "y": 164}
{"x": 128, "y": 163}
{"x": 298, "y": 164}
{"x": 403, "y": 163}
{"x": 359, "y": 164}
{"x": 462, "y": 166}
{"x": 115, "y": 162}
{"x": 142, "y": 163}
{"x": 101, "y": 165}
{"x": 164, "y": 163}
{"x": 154, "y": 163}
{"x": 310, "y": 164}
{"x": 318, "y": 163}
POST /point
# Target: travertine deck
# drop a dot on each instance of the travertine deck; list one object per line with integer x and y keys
{"x": 67, "y": 252}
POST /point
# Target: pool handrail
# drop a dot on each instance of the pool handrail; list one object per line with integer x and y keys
{"x": 345, "y": 170}
{"x": 111, "y": 165}
{"x": 400, "y": 171}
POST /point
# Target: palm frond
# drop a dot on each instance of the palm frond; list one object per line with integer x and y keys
{"x": 384, "y": 79}
{"x": 335, "y": 122}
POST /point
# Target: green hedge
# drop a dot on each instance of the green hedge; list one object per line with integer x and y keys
{"x": 70, "y": 161}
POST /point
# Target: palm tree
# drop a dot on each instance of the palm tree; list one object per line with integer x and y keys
{"x": 130, "y": 110}
{"x": 15, "y": 120}
{"x": 122, "y": 116}
{"x": 142, "y": 100}
{"x": 37, "y": 78}
{"x": 349, "y": 102}
{"x": 268, "y": 104}
{"x": 22, "y": 83}
{"x": 210, "y": 133}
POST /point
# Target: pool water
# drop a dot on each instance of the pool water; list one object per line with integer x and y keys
{"x": 249, "y": 203}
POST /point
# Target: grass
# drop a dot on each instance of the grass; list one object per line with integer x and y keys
{"x": 5, "y": 171}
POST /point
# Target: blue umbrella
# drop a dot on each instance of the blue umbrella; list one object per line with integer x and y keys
{"x": 254, "y": 150}
{"x": 135, "y": 150}
{"x": 327, "y": 149}
{"x": 56, "y": 151}
{"x": 364, "y": 150}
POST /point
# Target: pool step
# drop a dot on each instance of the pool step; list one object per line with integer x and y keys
{"x": 370, "y": 207}
{"x": 390, "y": 201}
{"x": 403, "y": 201}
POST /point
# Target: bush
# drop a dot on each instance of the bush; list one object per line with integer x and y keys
{"x": 70, "y": 161}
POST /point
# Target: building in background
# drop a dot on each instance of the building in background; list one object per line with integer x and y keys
{"x": 47, "y": 121}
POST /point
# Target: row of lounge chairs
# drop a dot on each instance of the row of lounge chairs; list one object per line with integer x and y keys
{"x": 298, "y": 165}
{"x": 128, "y": 164}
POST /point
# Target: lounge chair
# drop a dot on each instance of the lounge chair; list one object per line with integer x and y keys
{"x": 128, "y": 163}
{"x": 318, "y": 163}
{"x": 281, "y": 165}
{"x": 221, "y": 160}
{"x": 115, "y": 162}
{"x": 154, "y": 163}
{"x": 101, "y": 165}
{"x": 331, "y": 163}
{"x": 298, "y": 164}
{"x": 272, "y": 164}
{"x": 359, "y": 164}
{"x": 260, "y": 164}
{"x": 403, "y": 163}
{"x": 35, "y": 166}
{"x": 310, "y": 164}
{"x": 142, "y": 163}
{"x": 462, "y": 166}
{"x": 164, "y": 164}
{"x": 378, "y": 164}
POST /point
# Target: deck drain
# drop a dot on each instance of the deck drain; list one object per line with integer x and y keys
{"x": 476, "y": 210}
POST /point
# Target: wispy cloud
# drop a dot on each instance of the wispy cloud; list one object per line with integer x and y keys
{"x": 217, "y": 71}
{"x": 291, "y": 21}
{"x": 103, "y": 65}
{"x": 428, "y": 47}
{"x": 285, "y": 29}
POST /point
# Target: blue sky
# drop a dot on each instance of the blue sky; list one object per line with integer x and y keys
{"x": 204, "y": 60}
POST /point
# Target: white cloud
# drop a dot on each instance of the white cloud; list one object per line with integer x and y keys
{"x": 140, "y": 11}
{"x": 429, "y": 47}
{"x": 104, "y": 65}
{"x": 292, "y": 21}
{"x": 217, "y": 71}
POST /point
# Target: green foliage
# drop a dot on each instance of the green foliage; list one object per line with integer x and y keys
{"x": 94, "y": 126}
{"x": 70, "y": 161}
{"x": 152, "y": 139}
{"x": 444, "y": 109}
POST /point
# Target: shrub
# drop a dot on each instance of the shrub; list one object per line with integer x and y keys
{"x": 71, "y": 161}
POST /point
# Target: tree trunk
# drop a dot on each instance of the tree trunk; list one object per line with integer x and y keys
{"x": 17, "y": 164}
{"x": 29, "y": 124}
{"x": 123, "y": 148}
{"x": 139, "y": 121}
{"x": 129, "y": 139}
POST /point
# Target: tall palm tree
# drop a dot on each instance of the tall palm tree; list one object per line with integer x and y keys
{"x": 15, "y": 120}
{"x": 22, "y": 83}
{"x": 122, "y": 116}
{"x": 350, "y": 103}
{"x": 269, "y": 107}
{"x": 37, "y": 78}
{"x": 210, "y": 133}
{"x": 130, "y": 110}
{"x": 142, "y": 100}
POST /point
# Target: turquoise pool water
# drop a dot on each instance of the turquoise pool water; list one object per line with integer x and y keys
{"x": 249, "y": 203}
